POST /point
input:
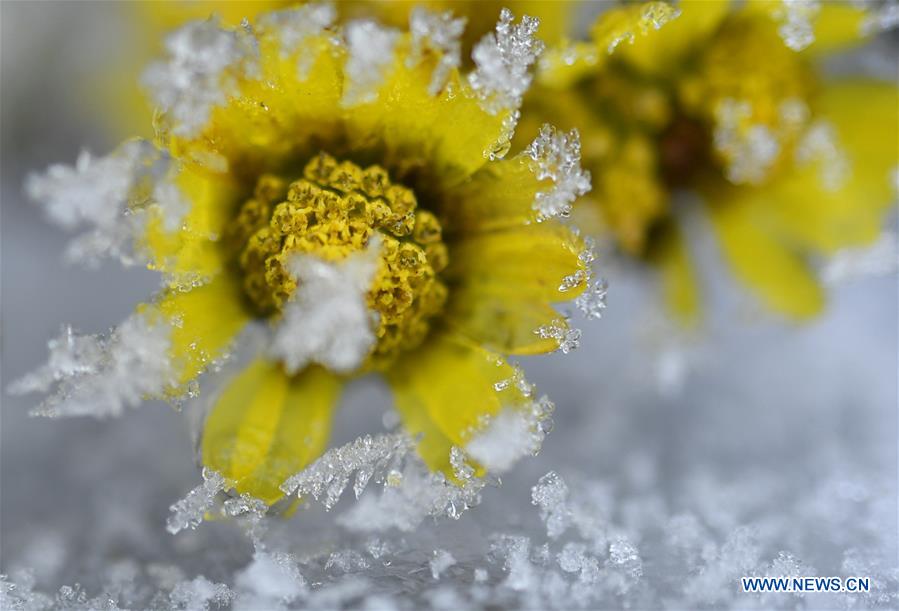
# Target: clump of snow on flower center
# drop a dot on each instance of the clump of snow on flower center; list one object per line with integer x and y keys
{"x": 370, "y": 46}
{"x": 327, "y": 320}
{"x": 200, "y": 72}
{"x": 556, "y": 156}
{"x": 101, "y": 375}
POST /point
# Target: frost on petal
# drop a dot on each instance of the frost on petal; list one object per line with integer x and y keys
{"x": 101, "y": 375}
{"x": 437, "y": 33}
{"x": 508, "y": 437}
{"x": 503, "y": 59}
{"x": 748, "y": 149}
{"x": 327, "y": 320}
{"x": 200, "y": 72}
{"x": 412, "y": 493}
{"x": 624, "y": 24}
{"x": 568, "y": 338}
{"x": 366, "y": 458}
{"x": 293, "y": 26}
{"x": 556, "y": 156}
{"x": 107, "y": 194}
{"x": 189, "y": 511}
{"x": 370, "y": 46}
{"x": 796, "y": 22}
{"x": 819, "y": 145}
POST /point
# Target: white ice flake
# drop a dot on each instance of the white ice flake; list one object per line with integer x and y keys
{"x": 503, "y": 59}
{"x": 819, "y": 145}
{"x": 200, "y": 72}
{"x": 507, "y": 438}
{"x": 749, "y": 149}
{"x": 370, "y": 47}
{"x": 190, "y": 511}
{"x": 272, "y": 578}
{"x": 439, "y": 33}
{"x": 556, "y": 156}
{"x": 441, "y": 561}
{"x": 878, "y": 259}
{"x": 101, "y": 375}
{"x": 550, "y": 494}
{"x": 199, "y": 594}
{"x": 567, "y": 337}
{"x": 327, "y": 320}
{"x": 104, "y": 194}
{"x": 293, "y": 26}
{"x": 796, "y": 22}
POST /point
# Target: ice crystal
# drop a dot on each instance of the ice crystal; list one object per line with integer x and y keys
{"x": 293, "y": 26}
{"x": 819, "y": 145}
{"x": 509, "y": 436}
{"x": 652, "y": 17}
{"x": 189, "y": 511}
{"x": 102, "y": 375}
{"x": 796, "y": 18}
{"x": 882, "y": 18}
{"x": 441, "y": 561}
{"x": 200, "y": 72}
{"x": 567, "y": 337}
{"x": 749, "y": 150}
{"x": 878, "y": 259}
{"x": 346, "y": 561}
{"x": 327, "y": 320}
{"x": 438, "y": 33}
{"x": 502, "y": 60}
{"x": 198, "y": 594}
{"x": 550, "y": 494}
{"x": 592, "y": 302}
{"x": 103, "y": 193}
{"x": 327, "y": 478}
{"x": 556, "y": 156}
{"x": 370, "y": 48}
{"x": 417, "y": 494}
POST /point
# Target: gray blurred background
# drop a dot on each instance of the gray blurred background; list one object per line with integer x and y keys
{"x": 787, "y": 433}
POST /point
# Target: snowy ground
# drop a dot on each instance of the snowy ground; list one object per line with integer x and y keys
{"x": 677, "y": 464}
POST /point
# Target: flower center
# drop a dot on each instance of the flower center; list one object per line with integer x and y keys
{"x": 331, "y": 212}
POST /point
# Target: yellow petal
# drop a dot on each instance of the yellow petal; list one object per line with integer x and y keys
{"x": 666, "y": 48}
{"x": 266, "y": 426}
{"x": 501, "y": 284}
{"x": 205, "y": 321}
{"x": 803, "y": 208}
{"x": 443, "y": 390}
{"x": 446, "y": 135}
{"x": 780, "y": 277}
{"x": 681, "y": 289}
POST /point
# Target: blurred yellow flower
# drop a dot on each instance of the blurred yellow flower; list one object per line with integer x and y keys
{"x": 728, "y": 101}
{"x": 344, "y": 186}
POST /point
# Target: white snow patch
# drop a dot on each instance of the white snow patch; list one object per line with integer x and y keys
{"x": 201, "y": 71}
{"x": 508, "y": 438}
{"x": 371, "y": 48}
{"x": 327, "y": 320}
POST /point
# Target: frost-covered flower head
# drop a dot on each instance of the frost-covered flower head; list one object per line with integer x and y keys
{"x": 727, "y": 100}
{"x": 344, "y": 187}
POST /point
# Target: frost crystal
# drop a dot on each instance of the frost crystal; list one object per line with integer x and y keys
{"x": 796, "y": 19}
{"x": 366, "y": 457}
{"x": 438, "y": 33}
{"x": 326, "y": 320}
{"x": 550, "y": 494}
{"x": 508, "y": 437}
{"x": 370, "y": 47}
{"x": 750, "y": 150}
{"x": 819, "y": 145}
{"x": 200, "y": 72}
{"x": 653, "y": 16}
{"x": 441, "y": 561}
{"x": 101, "y": 375}
{"x": 503, "y": 59}
{"x": 189, "y": 511}
{"x": 198, "y": 594}
{"x": 294, "y": 26}
{"x": 883, "y": 18}
{"x": 878, "y": 259}
{"x": 567, "y": 337}
{"x": 556, "y": 156}
{"x": 102, "y": 192}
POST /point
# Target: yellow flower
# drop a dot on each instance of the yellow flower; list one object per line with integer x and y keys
{"x": 728, "y": 101}
{"x": 343, "y": 189}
